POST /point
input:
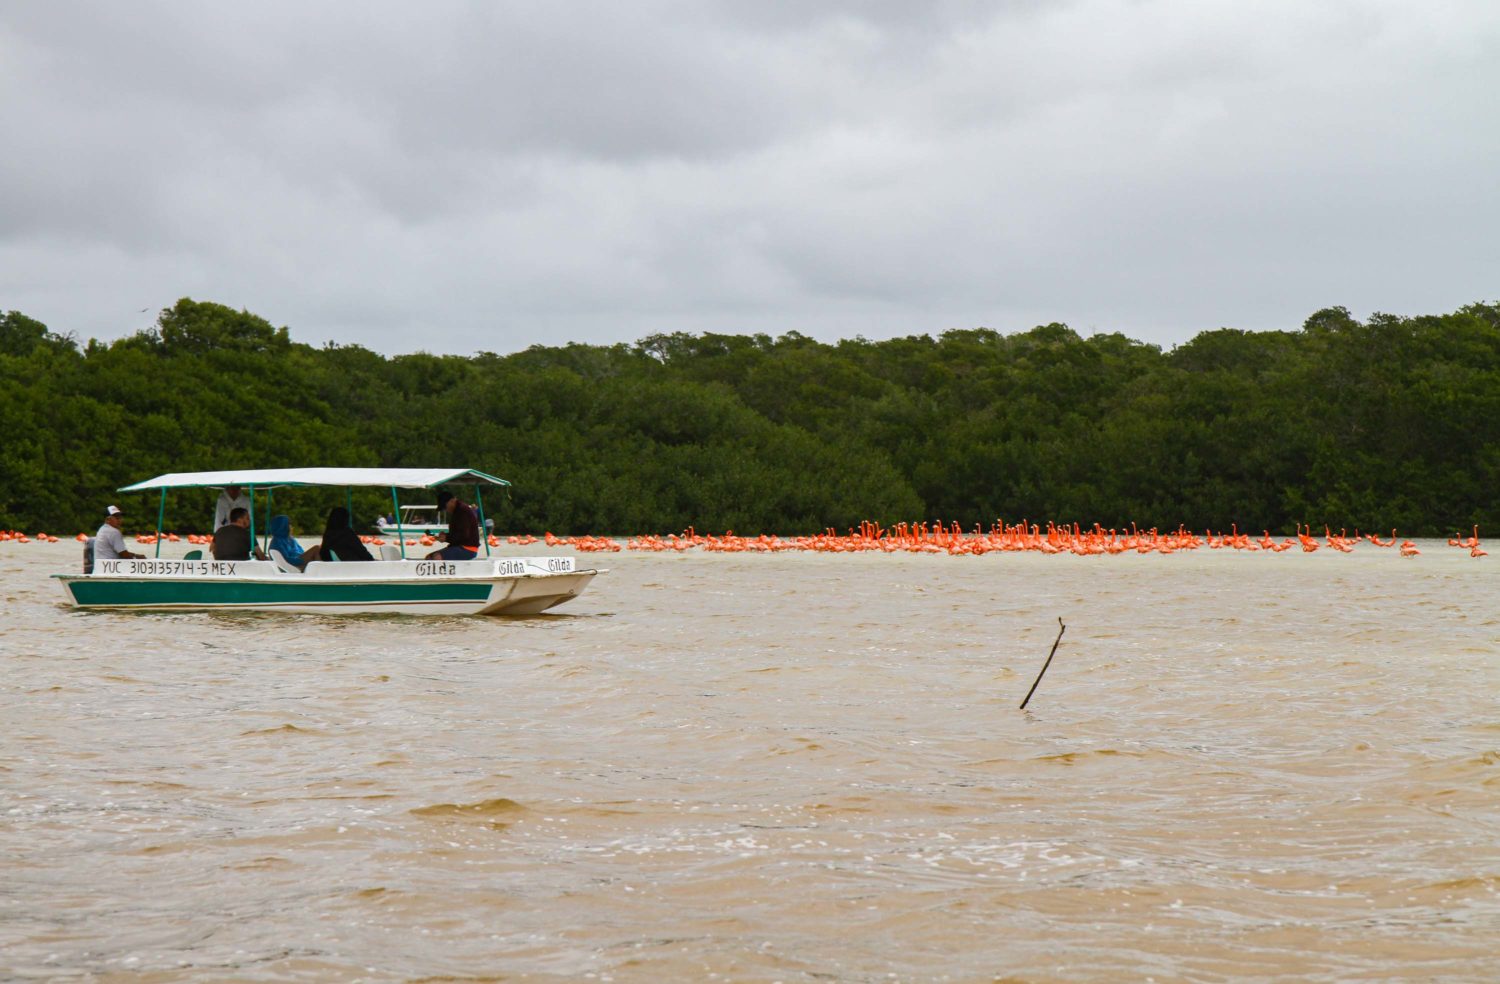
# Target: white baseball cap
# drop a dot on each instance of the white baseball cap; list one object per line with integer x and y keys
{"x": 112, "y": 511}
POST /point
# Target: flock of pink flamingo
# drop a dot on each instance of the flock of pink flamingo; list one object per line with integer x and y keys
{"x": 922, "y": 538}
{"x": 952, "y": 539}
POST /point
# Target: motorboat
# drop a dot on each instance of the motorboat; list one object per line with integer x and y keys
{"x": 486, "y": 585}
{"x": 418, "y": 520}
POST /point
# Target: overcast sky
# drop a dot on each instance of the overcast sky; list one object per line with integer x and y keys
{"x": 464, "y": 176}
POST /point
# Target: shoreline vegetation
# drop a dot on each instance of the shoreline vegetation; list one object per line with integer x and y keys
{"x": 1382, "y": 424}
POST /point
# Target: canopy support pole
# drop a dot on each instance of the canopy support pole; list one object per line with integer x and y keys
{"x": 400, "y": 533}
{"x": 270, "y": 495}
{"x": 484, "y": 534}
{"x": 161, "y": 514}
{"x": 252, "y": 516}
{"x": 349, "y": 503}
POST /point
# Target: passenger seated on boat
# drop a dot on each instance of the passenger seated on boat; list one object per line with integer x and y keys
{"x": 231, "y": 497}
{"x": 463, "y": 530}
{"x": 109, "y": 542}
{"x": 232, "y": 540}
{"x": 284, "y": 543}
{"x": 339, "y": 538}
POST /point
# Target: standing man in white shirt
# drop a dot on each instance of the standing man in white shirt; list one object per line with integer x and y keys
{"x": 109, "y": 542}
{"x": 230, "y": 499}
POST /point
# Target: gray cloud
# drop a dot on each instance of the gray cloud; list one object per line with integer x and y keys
{"x": 458, "y": 176}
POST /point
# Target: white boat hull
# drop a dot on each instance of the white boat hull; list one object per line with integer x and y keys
{"x": 500, "y": 586}
{"x": 417, "y": 530}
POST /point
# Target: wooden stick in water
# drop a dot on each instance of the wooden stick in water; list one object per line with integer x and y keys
{"x": 1061, "y": 628}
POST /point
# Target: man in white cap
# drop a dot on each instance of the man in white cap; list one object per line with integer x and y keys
{"x": 109, "y": 542}
{"x": 232, "y": 498}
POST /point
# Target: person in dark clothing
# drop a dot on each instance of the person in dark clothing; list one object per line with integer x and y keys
{"x": 340, "y": 539}
{"x": 463, "y": 530}
{"x": 232, "y": 540}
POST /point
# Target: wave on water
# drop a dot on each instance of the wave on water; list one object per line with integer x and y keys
{"x": 484, "y": 810}
{"x": 1078, "y": 758}
{"x": 285, "y": 729}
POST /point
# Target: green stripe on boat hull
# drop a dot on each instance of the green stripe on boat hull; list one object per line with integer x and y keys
{"x": 193, "y": 593}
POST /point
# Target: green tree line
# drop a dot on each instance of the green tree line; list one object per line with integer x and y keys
{"x": 1391, "y": 422}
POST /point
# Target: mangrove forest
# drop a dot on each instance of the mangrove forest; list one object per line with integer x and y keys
{"x": 1387, "y": 423}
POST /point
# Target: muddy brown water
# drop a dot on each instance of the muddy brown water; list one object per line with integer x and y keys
{"x": 771, "y": 768}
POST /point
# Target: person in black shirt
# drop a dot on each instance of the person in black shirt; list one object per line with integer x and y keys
{"x": 232, "y": 540}
{"x": 341, "y": 539}
{"x": 463, "y": 530}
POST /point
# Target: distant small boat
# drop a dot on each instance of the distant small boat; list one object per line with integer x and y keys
{"x": 418, "y": 521}
{"x": 394, "y": 583}
{"x": 414, "y": 521}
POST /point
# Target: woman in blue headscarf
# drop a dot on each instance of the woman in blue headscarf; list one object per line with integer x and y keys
{"x": 283, "y": 542}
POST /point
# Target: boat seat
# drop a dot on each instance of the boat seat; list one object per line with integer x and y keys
{"x": 388, "y": 552}
{"x": 284, "y": 565}
{"x": 193, "y": 555}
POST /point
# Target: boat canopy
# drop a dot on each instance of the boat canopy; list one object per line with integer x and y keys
{"x": 263, "y": 478}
